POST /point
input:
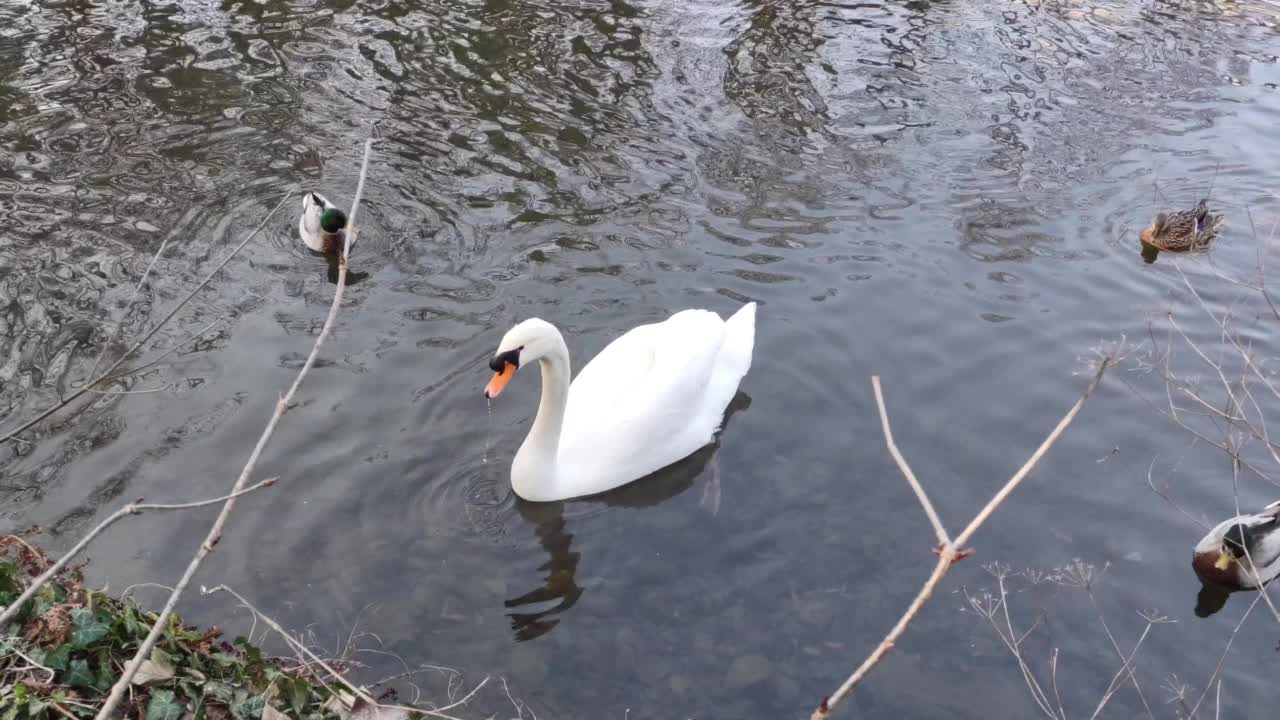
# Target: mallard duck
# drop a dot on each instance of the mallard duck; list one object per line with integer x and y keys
{"x": 323, "y": 226}
{"x": 1242, "y": 553}
{"x": 1183, "y": 230}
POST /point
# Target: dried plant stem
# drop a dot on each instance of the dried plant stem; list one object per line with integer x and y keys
{"x": 312, "y": 658}
{"x": 156, "y": 360}
{"x": 134, "y": 508}
{"x": 282, "y": 405}
{"x": 102, "y": 354}
{"x": 145, "y": 338}
{"x": 1222, "y": 659}
{"x": 951, "y": 551}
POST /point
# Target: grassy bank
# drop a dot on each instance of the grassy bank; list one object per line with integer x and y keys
{"x": 69, "y": 644}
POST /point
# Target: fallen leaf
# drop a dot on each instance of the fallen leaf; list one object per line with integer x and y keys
{"x": 156, "y": 669}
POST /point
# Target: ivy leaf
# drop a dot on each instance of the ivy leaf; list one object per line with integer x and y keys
{"x": 249, "y": 708}
{"x": 58, "y": 659}
{"x": 79, "y": 675}
{"x": 299, "y": 695}
{"x": 9, "y": 578}
{"x": 87, "y": 629}
{"x": 219, "y": 691}
{"x": 134, "y": 626}
{"x": 163, "y": 706}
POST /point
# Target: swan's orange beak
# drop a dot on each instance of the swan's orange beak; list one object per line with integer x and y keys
{"x": 499, "y": 381}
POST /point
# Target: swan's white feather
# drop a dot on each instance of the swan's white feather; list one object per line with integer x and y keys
{"x": 651, "y": 397}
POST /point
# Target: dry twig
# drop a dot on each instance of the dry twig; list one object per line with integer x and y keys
{"x": 950, "y": 550}
{"x": 136, "y": 507}
{"x": 312, "y": 658}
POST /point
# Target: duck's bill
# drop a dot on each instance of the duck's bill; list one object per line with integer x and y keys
{"x": 499, "y": 381}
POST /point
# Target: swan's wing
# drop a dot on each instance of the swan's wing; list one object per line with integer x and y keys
{"x": 638, "y": 405}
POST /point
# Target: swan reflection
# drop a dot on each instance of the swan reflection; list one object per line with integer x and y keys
{"x": 560, "y": 584}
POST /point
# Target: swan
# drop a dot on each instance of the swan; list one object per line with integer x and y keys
{"x": 323, "y": 226}
{"x": 651, "y": 397}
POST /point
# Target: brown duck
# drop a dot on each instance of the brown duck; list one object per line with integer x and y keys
{"x": 1183, "y": 230}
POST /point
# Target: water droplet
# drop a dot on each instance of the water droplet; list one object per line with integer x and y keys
{"x": 488, "y": 437}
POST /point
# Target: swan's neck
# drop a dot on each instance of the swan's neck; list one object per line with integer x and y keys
{"x": 533, "y": 472}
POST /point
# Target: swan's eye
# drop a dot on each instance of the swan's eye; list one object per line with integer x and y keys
{"x": 499, "y": 362}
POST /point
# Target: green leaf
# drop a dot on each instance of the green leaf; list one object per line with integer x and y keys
{"x": 250, "y": 708}
{"x": 79, "y": 675}
{"x": 87, "y": 629}
{"x": 106, "y": 678}
{"x": 9, "y": 578}
{"x": 58, "y": 658}
{"x": 163, "y": 706}
{"x": 45, "y": 598}
{"x": 219, "y": 691}
{"x": 251, "y": 653}
{"x": 134, "y": 626}
{"x": 299, "y": 693}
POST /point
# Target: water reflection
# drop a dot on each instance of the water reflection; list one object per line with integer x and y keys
{"x": 562, "y": 565}
{"x": 1211, "y": 599}
{"x": 548, "y": 519}
{"x": 769, "y": 62}
{"x": 862, "y": 168}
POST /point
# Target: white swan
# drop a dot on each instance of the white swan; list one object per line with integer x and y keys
{"x": 323, "y": 226}
{"x": 650, "y": 398}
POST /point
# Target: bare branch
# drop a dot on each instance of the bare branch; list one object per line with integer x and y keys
{"x": 215, "y": 532}
{"x": 950, "y": 552}
{"x": 134, "y": 508}
{"x": 1034, "y": 460}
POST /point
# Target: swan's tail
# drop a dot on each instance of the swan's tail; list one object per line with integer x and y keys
{"x": 739, "y": 342}
{"x": 733, "y": 361}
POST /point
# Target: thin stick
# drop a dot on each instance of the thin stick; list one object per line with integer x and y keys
{"x": 1222, "y": 659}
{"x": 337, "y": 676}
{"x": 145, "y": 338}
{"x": 938, "y": 529}
{"x": 155, "y": 360}
{"x": 950, "y": 552}
{"x": 1164, "y": 494}
{"x": 134, "y": 508}
{"x": 1031, "y": 463}
{"x": 215, "y": 532}
{"x": 106, "y": 344}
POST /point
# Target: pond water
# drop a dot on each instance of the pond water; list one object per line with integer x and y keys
{"x": 946, "y": 194}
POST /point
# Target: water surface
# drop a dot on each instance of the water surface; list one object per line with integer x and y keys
{"x": 946, "y": 194}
